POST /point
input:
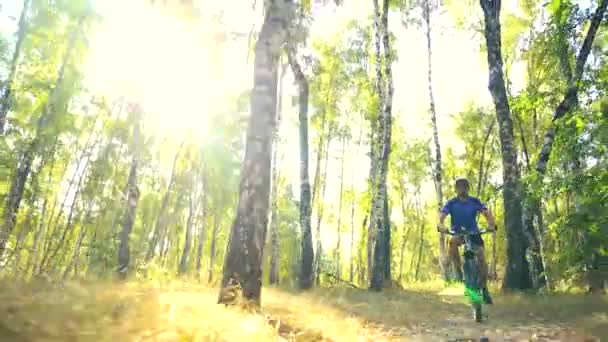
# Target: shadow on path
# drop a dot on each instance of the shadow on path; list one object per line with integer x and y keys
{"x": 433, "y": 316}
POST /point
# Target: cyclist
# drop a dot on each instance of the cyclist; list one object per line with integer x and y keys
{"x": 463, "y": 210}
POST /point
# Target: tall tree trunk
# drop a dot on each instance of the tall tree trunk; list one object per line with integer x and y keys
{"x": 437, "y": 168}
{"x": 381, "y": 266}
{"x": 375, "y": 133}
{"x": 370, "y": 231}
{"x": 273, "y": 274}
{"x": 248, "y": 232}
{"x": 212, "y": 253}
{"x": 406, "y": 229}
{"x": 420, "y": 220}
{"x": 480, "y": 172}
{"x": 73, "y": 262}
{"x": 352, "y": 211}
{"x": 26, "y": 228}
{"x": 24, "y": 165}
{"x": 420, "y": 249}
{"x": 5, "y": 101}
{"x": 158, "y": 236}
{"x": 320, "y": 212}
{"x": 32, "y": 260}
{"x": 183, "y": 262}
{"x": 306, "y": 268}
{"x": 132, "y": 197}
{"x": 202, "y": 231}
{"x": 338, "y": 230}
{"x": 517, "y": 275}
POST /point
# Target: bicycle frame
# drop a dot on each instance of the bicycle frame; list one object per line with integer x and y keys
{"x": 471, "y": 267}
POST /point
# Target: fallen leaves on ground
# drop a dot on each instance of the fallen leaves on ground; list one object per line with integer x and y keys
{"x": 81, "y": 311}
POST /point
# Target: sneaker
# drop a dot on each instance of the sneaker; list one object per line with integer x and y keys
{"x": 486, "y": 296}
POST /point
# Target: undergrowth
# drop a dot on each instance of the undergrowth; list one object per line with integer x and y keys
{"x": 179, "y": 311}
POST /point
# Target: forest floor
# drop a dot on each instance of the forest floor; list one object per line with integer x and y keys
{"x": 137, "y": 312}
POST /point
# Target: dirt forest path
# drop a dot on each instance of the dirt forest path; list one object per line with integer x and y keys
{"x": 134, "y": 312}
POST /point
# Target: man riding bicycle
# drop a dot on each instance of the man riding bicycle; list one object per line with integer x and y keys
{"x": 463, "y": 210}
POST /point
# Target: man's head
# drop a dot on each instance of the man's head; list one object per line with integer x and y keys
{"x": 462, "y": 186}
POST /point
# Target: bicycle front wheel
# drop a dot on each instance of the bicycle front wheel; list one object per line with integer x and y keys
{"x": 472, "y": 280}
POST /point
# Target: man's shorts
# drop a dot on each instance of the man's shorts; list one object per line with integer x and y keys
{"x": 476, "y": 239}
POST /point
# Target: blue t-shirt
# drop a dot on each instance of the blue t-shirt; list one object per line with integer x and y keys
{"x": 463, "y": 213}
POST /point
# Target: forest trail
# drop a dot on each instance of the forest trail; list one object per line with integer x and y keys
{"x": 135, "y": 312}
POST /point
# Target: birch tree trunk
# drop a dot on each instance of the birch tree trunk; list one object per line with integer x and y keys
{"x": 5, "y": 101}
{"x": 516, "y": 275}
{"x": 248, "y": 232}
{"x": 380, "y": 217}
{"x": 320, "y": 212}
{"x": 306, "y": 268}
{"x": 406, "y": 229}
{"x": 183, "y": 262}
{"x": 352, "y": 211}
{"x": 212, "y": 252}
{"x": 202, "y": 231}
{"x": 437, "y": 168}
{"x": 273, "y": 274}
{"x": 338, "y": 230}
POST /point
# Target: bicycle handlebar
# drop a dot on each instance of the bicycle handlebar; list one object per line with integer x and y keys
{"x": 463, "y": 233}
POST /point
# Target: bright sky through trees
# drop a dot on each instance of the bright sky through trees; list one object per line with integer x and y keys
{"x": 149, "y": 54}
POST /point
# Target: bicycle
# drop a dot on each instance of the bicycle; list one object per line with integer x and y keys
{"x": 471, "y": 270}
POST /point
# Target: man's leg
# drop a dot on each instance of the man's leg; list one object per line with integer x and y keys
{"x": 455, "y": 242}
{"x": 483, "y": 274}
{"x": 483, "y": 266}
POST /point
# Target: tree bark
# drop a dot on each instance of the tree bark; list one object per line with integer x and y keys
{"x": 212, "y": 253}
{"x": 273, "y": 274}
{"x": 352, "y": 212}
{"x": 306, "y": 268}
{"x": 321, "y": 209}
{"x": 201, "y": 234}
{"x": 517, "y": 275}
{"x": 421, "y": 245}
{"x": 24, "y": 165}
{"x": 5, "y": 101}
{"x": 406, "y": 230}
{"x": 193, "y": 208}
{"x": 437, "y": 169}
{"x": 248, "y": 232}
{"x": 338, "y": 230}
{"x": 381, "y": 266}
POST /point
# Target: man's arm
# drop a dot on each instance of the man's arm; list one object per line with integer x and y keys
{"x": 490, "y": 218}
{"x": 443, "y": 213}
